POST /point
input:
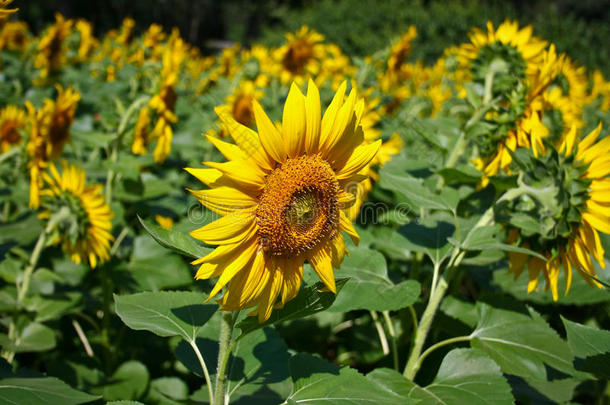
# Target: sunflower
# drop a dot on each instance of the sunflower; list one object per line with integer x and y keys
{"x": 85, "y": 233}
{"x": 576, "y": 174}
{"x": 5, "y": 12}
{"x": 400, "y": 50}
{"x": 240, "y": 102}
{"x": 14, "y": 36}
{"x": 51, "y": 48}
{"x": 164, "y": 103}
{"x": 281, "y": 196}
{"x": 301, "y": 55}
{"x": 12, "y": 120}
{"x": 529, "y": 131}
{"x": 141, "y": 132}
{"x": 49, "y": 132}
{"x": 88, "y": 43}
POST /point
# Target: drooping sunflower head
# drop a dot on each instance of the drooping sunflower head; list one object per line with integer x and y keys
{"x": 61, "y": 117}
{"x": 300, "y": 56}
{"x": 565, "y": 202}
{"x": 51, "y": 48}
{"x": 511, "y": 53}
{"x": 80, "y": 215}
{"x": 141, "y": 132}
{"x": 401, "y": 49}
{"x": 240, "y": 102}
{"x": 88, "y": 43}
{"x": 4, "y": 11}
{"x": 15, "y": 36}
{"x": 12, "y": 121}
{"x": 281, "y": 195}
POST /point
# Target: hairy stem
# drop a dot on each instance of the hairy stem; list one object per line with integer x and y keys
{"x": 226, "y": 333}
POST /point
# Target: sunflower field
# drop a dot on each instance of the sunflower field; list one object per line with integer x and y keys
{"x": 294, "y": 224}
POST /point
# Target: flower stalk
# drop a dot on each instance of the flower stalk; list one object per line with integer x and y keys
{"x": 226, "y": 332}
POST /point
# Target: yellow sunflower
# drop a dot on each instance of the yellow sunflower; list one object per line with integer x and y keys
{"x": 88, "y": 43}
{"x": 14, "y": 36}
{"x": 141, "y": 132}
{"x": 164, "y": 103}
{"x": 51, "y": 48}
{"x": 574, "y": 239}
{"x": 281, "y": 196}
{"x": 240, "y": 102}
{"x": 400, "y": 50}
{"x": 5, "y": 12}
{"x": 85, "y": 233}
{"x": 300, "y": 57}
{"x": 12, "y": 120}
{"x": 49, "y": 132}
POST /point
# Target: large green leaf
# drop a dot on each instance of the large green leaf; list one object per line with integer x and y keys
{"x": 465, "y": 377}
{"x": 590, "y": 344}
{"x": 165, "y": 313}
{"x": 416, "y": 192}
{"x": 177, "y": 241}
{"x": 522, "y": 344}
{"x": 369, "y": 286}
{"x": 258, "y": 367}
{"x": 36, "y": 391}
{"x": 311, "y": 299}
{"x": 318, "y": 382}
{"x": 129, "y": 381}
{"x": 31, "y": 337}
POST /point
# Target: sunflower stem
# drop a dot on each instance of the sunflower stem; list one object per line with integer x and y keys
{"x": 22, "y": 289}
{"x": 226, "y": 333}
{"x": 424, "y": 327}
{"x": 439, "y": 345}
{"x": 383, "y": 339}
{"x": 106, "y": 301}
{"x": 204, "y": 368}
{"x": 392, "y": 332}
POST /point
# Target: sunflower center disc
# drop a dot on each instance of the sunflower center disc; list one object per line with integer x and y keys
{"x": 298, "y": 207}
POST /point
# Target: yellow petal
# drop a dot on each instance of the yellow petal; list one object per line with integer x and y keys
{"x": 271, "y": 293}
{"x": 224, "y": 199}
{"x": 228, "y": 150}
{"x": 361, "y": 156}
{"x": 313, "y": 113}
{"x": 206, "y": 176}
{"x": 331, "y": 113}
{"x": 231, "y": 228}
{"x": 247, "y": 139}
{"x": 241, "y": 172}
{"x": 293, "y": 121}
{"x": 235, "y": 264}
{"x": 535, "y": 266}
{"x": 346, "y": 226}
{"x": 320, "y": 259}
{"x": 270, "y": 138}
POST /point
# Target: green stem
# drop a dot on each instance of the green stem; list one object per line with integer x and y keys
{"x": 106, "y": 303}
{"x": 206, "y": 374}
{"x": 439, "y": 345}
{"x": 385, "y": 347}
{"x": 226, "y": 333}
{"x": 424, "y": 327}
{"x": 392, "y": 332}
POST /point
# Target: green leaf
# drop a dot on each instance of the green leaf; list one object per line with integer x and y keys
{"x": 318, "y": 382}
{"x": 465, "y": 377}
{"x": 590, "y": 344}
{"x": 33, "y": 337}
{"x": 369, "y": 287}
{"x": 460, "y": 310}
{"x": 310, "y": 300}
{"x": 416, "y": 193}
{"x": 177, "y": 241}
{"x": 521, "y": 344}
{"x": 429, "y": 236}
{"x": 167, "y": 391}
{"x": 460, "y": 174}
{"x": 129, "y": 381}
{"x": 36, "y": 391}
{"x": 165, "y": 313}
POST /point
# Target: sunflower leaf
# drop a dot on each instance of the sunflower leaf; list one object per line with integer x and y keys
{"x": 311, "y": 299}
{"x": 466, "y": 376}
{"x": 165, "y": 313}
{"x": 174, "y": 240}
{"x": 590, "y": 344}
{"x": 46, "y": 390}
{"x": 369, "y": 286}
{"x": 317, "y": 381}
